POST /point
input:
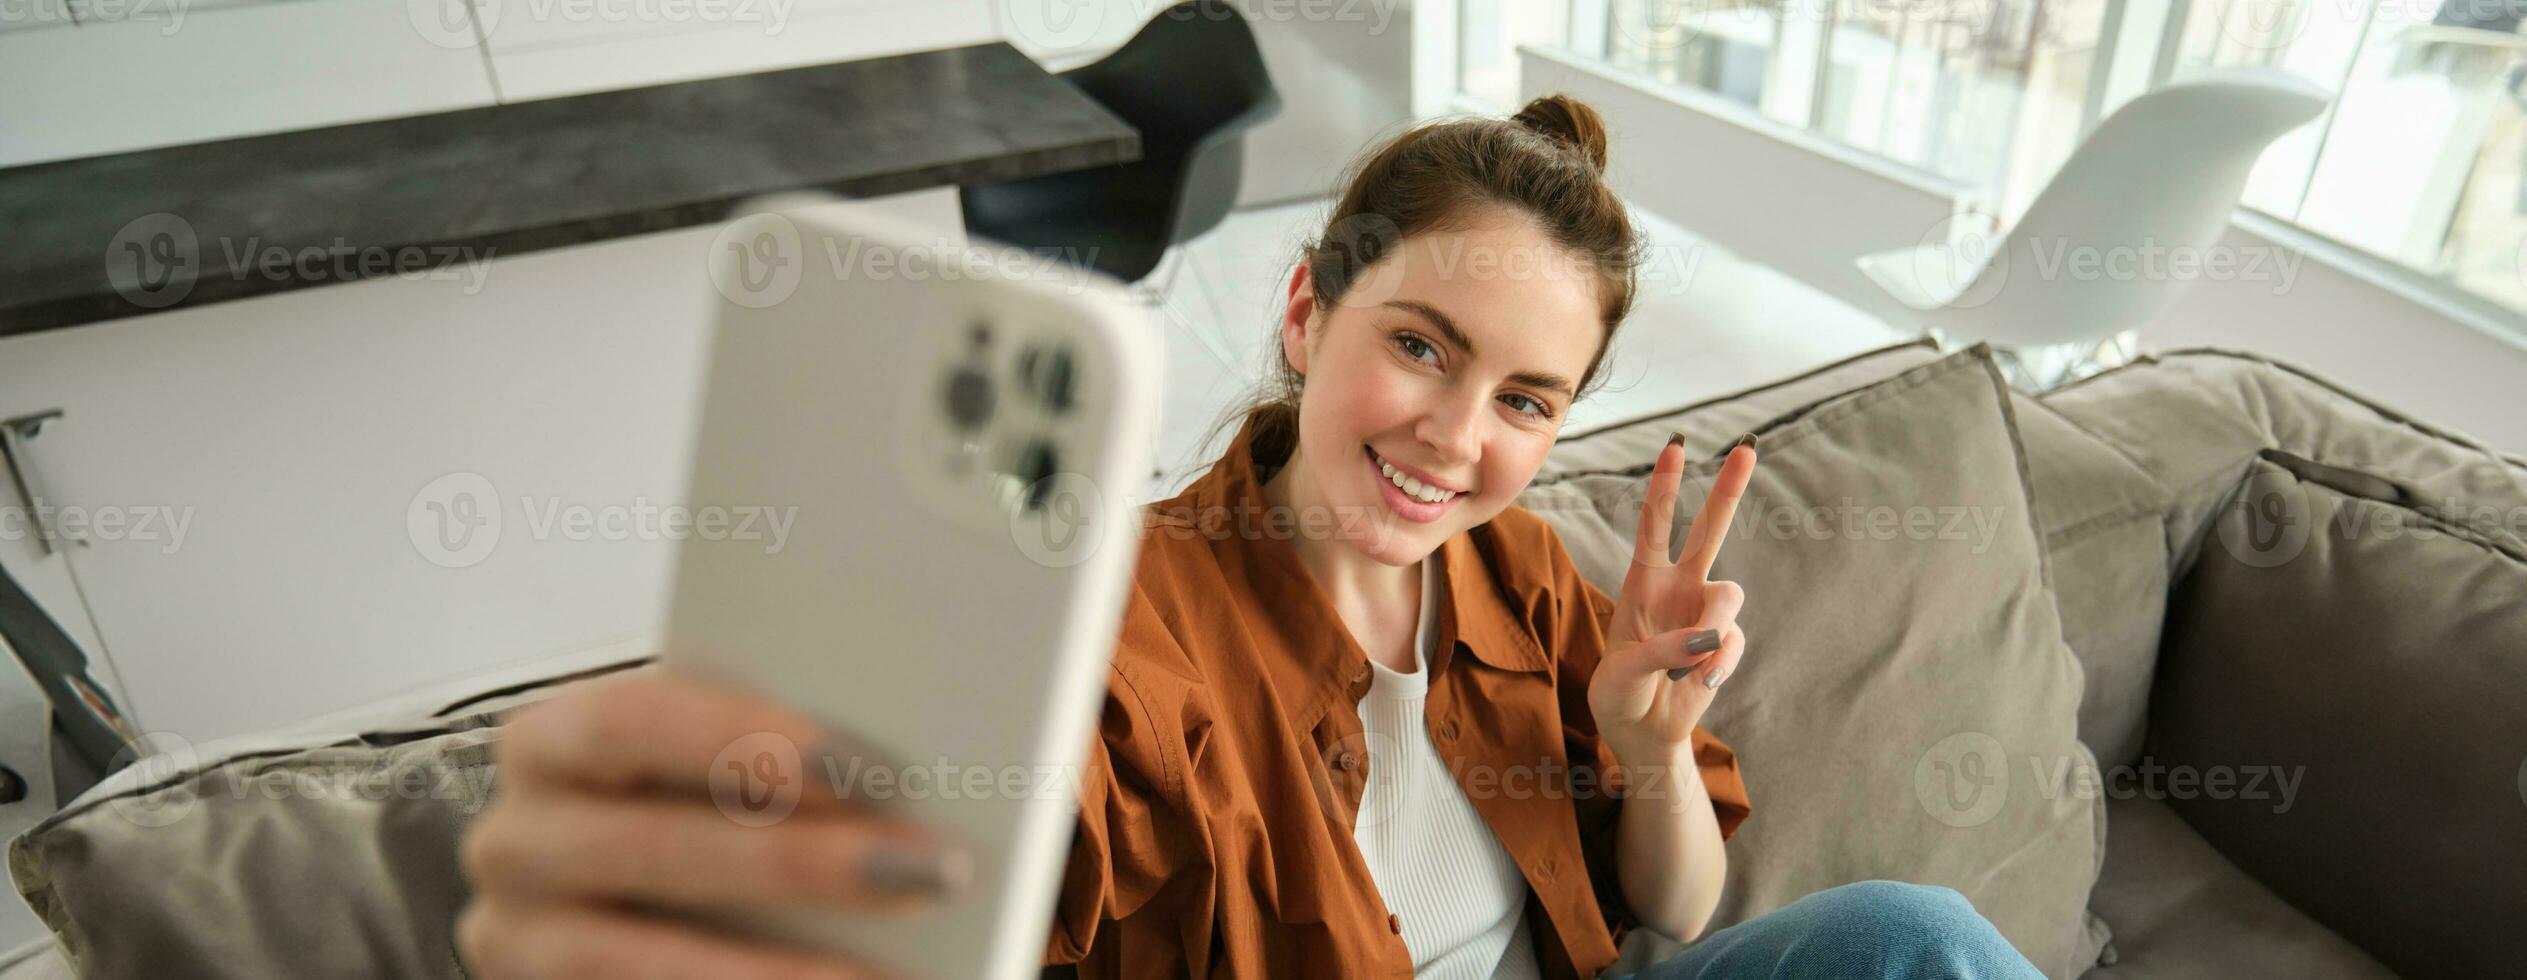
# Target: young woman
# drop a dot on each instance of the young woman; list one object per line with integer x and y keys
{"x": 1365, "y": 718}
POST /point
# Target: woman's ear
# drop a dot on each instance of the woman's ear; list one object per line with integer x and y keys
{"x": 1297, "y": 317}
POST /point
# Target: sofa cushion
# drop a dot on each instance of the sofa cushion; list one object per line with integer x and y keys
{"x": 2183, "y": 912}
{"x": 1716, "y": 420}
{"x": 1879, "y": 635}
{"x": 2365, "y": 662}
{"x": 2105, "y": 544}
{"x": 2195, "y": 418}
{"x": 283, "y": 853}
{"x": 334, "y": 861}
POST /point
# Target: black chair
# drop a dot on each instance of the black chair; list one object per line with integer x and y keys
{"x": 1192, "y": 81}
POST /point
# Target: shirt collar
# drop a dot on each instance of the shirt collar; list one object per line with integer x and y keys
{"x": 1325, "y": 661}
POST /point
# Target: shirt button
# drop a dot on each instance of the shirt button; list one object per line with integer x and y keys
{"x": 1546, "y": 867}
{"x": 1394, "y": 925}
{"x": 1448, "y": 730}
{"x": 1350, "y": 761}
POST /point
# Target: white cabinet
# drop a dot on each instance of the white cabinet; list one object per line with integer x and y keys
{"x": 163, "y": 72}
{"x": 365, "y": 488}
{"x": 569, "y": 47}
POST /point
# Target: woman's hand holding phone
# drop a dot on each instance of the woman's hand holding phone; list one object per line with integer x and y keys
{"x": 1674, "y": 635}
{"x": 605, "y": 822}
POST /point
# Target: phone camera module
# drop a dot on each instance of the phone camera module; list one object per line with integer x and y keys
{"x": 1047, "y": 374}
{"x": 1037, "y": 464}
{"x": 968, "y": 397}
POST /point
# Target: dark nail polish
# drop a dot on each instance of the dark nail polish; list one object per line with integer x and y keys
{"x": 1675, "y": 438}
{"x": 1703, "y": 641}
{"x": 910, "y": 872}
{"x": 1744, "y": 440}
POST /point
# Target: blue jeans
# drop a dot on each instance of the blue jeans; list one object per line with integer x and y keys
{"x": 1886, "y": 929}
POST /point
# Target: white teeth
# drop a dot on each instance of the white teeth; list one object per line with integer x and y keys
{"x": 1412, "y": 487}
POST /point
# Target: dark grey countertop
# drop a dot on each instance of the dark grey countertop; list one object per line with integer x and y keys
{"x": 132, "y": 233}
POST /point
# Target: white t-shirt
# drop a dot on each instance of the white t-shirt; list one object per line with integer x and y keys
{"x": 1446, "y": 877}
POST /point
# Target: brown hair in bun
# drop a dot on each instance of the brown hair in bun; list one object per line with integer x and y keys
{"x": 1569, "y": 122}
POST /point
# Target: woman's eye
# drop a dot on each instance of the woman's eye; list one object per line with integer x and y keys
{"x": 1534, "y": 407}
{"x": 1415, "y": 347}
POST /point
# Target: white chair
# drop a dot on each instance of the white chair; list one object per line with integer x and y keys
{"x": 2063, "y": 291}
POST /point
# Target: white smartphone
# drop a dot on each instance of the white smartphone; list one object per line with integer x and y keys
{"x": 960, "y": 457}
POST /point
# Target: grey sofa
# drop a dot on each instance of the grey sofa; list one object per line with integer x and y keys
{"x": 2162, "y": 610}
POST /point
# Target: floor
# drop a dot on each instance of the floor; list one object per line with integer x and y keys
{"x": 1704, "y": 322}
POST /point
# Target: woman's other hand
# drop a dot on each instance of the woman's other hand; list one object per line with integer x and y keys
{"x": 1670, "y": 616}
{"x": 627, "y": 799}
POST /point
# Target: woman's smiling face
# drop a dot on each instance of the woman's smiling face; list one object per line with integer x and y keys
{"x": 1448, "y": 365}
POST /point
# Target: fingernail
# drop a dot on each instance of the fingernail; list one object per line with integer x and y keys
{"x": 1747, "y": 440}
{"x": 1675, "y": 438}
{"x": 1702, "y": 641}
{"x": 1711, "y": 681}
{"x": 913, "y": 871}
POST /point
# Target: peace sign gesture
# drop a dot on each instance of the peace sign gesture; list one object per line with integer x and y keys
{"x": 1674, "y": 635}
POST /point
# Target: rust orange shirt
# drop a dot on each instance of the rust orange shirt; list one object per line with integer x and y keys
{"x": 1215, "y": 826}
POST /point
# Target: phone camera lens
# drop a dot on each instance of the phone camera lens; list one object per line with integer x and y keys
{"x": 969, "y": 398}
{"x": 1047, "y": 373}
{"x": 1036, "y": 466}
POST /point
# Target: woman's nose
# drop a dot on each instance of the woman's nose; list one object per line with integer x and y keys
{"x": 1453, "y": 432}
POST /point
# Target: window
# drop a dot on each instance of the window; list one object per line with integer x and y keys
{"x": 2419, "y": 160}
{"x": 1724, "y": 46}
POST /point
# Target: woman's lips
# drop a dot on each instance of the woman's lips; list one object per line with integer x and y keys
{"x": 1409, "y": 508}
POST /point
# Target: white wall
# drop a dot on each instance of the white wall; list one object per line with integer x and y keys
{"x": 1793, "y": 201}
{"x": 301, "y": 440}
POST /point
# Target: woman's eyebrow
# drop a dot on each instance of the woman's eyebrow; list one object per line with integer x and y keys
{"x": 1533, "y": 379}
{"x": 1437, "y": 319}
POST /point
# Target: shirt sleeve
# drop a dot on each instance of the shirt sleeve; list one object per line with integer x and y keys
{"x": 1581, "y": 643}
{"x": 1130, "y": 836}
